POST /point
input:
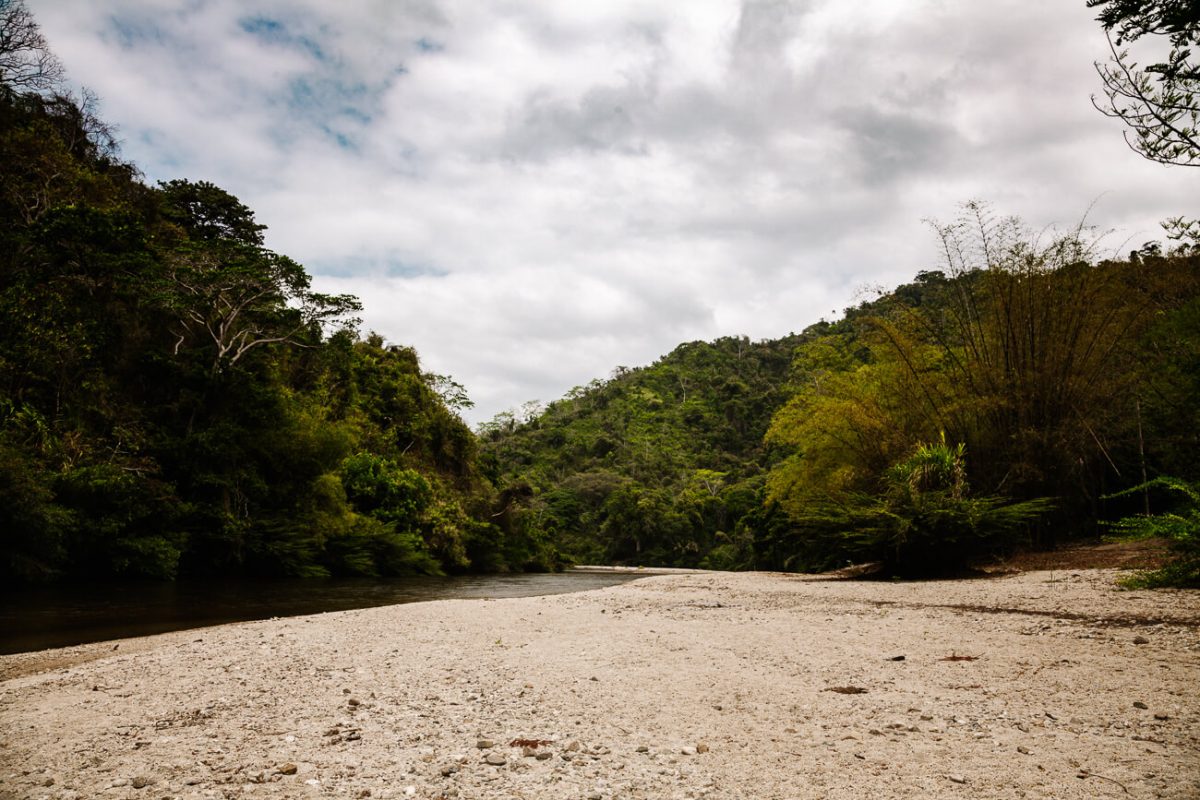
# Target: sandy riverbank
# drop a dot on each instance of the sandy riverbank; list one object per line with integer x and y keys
{"x": 715, "y": 685}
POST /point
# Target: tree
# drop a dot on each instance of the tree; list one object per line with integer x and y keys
{"x": 228, "y": 291}
{"x": 26, "y": 63}
{"x": 1159, "y": 103}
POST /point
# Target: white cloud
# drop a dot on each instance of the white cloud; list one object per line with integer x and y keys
{"x": 532, "y": 194}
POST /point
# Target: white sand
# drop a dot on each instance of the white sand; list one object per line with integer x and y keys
{"x": 734, "y": 669}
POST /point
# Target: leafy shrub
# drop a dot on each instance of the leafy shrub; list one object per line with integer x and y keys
{"x": 922, "y": 523}
{"x": 1181, "y": 527}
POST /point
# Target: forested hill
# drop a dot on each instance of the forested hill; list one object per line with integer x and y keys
{"x": 656, "y": 465}
{"x": 175, "y": 399}
{"x": 1015, "y": 395}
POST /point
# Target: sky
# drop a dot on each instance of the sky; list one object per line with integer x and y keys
{"x": 534, "y": 193}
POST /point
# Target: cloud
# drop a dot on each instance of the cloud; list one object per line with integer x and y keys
{"x": 532, "y": 194}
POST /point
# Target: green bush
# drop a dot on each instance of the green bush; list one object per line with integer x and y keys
{"x": 1181, "y": 527}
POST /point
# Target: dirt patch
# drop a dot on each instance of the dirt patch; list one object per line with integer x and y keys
{"x": 1091, "y": 554}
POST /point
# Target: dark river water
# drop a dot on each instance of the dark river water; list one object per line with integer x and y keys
{"x": 59, "y": 616}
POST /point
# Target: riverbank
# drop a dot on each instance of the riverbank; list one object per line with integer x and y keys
{"x": 719, "y": 685}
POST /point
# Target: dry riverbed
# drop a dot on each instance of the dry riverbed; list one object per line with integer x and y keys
{"x": 1037, "y": 685}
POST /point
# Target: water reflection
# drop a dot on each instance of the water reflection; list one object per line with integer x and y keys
{"x": 59, "y": 616}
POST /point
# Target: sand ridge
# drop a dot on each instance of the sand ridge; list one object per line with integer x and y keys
{"x": 720, "y": 685}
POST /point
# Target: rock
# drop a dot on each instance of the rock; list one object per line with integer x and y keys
{"x": 1140, "y": 640}
{"x": 957, "y": 778}
{"x": 1023, "y": 750}
{"x": 1140, "y": 704}
{"x": 1162, "y": 717}
{"x": 595, "y": 796}
{"x": 701, "y": 748}
{"x": 141, "y": 782}
{"x": 286, "y": 769}
{"x": 528, "y": 752}
{"x": 485, "y": 744}
{"x": 449, "y": 770}
{"x": 642, "y": 749}
{"x": 48, "y": 782}
{"x": 896, "y": 658}
{"x": 542, "y": 755}
{"x": 572, "y": 746}
{"x": 496, "y": 759}
{"x": 688, "y": 751}
{"x": 353, "y": 702}
{"x": 118, "y": 783}
{"x": 353, "y": 736}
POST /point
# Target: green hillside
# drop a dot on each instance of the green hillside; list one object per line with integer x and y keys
{"x": 997, "y": 401}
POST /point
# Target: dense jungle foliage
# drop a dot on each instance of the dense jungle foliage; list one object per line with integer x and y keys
{"x": 1006, "y": 397}
{"x": 175, "y": 399}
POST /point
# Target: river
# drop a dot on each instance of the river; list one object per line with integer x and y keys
{"x": 60, "y": 616}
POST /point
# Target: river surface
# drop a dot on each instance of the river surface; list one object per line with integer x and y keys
{"x": 60, "y": 616}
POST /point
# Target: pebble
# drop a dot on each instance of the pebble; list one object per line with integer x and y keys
{"x": 542, "y": 755}
{"x": 702, "y": 748}
{"x": 287, "y": 769}
{"x": 1140, "y": 704}
{"x": 957, "y": 778}
{"x": 484, "y": 744}
{"x": 688, "y": 751}
{"x": 1140, "y": 640}
{"x": 141, "y": 782}
{"x": 496, "y": 759}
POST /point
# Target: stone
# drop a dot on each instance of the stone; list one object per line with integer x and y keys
{"x": 1022, "y": 749}
{"x": 1140, "y": 640}
{"x": 542, "y": 755}
{"x": 701, "y": 748}
{"x": 688, "y": 751}
{"x": 286, "y": 769}
{"x": 1140, "y": 704}
{"x": 528, "y": 752}
{"x": 1162, "y": 717}
{"x": 485, "y": 744}
{"x": 643, "y": 749}
{"x": 957, "y": 778}
{"x": 496, "y": 759}
{"x": 141, "y": 782}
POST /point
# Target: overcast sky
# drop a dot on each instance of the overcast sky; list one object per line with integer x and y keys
{"x": 533, "y": 193}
